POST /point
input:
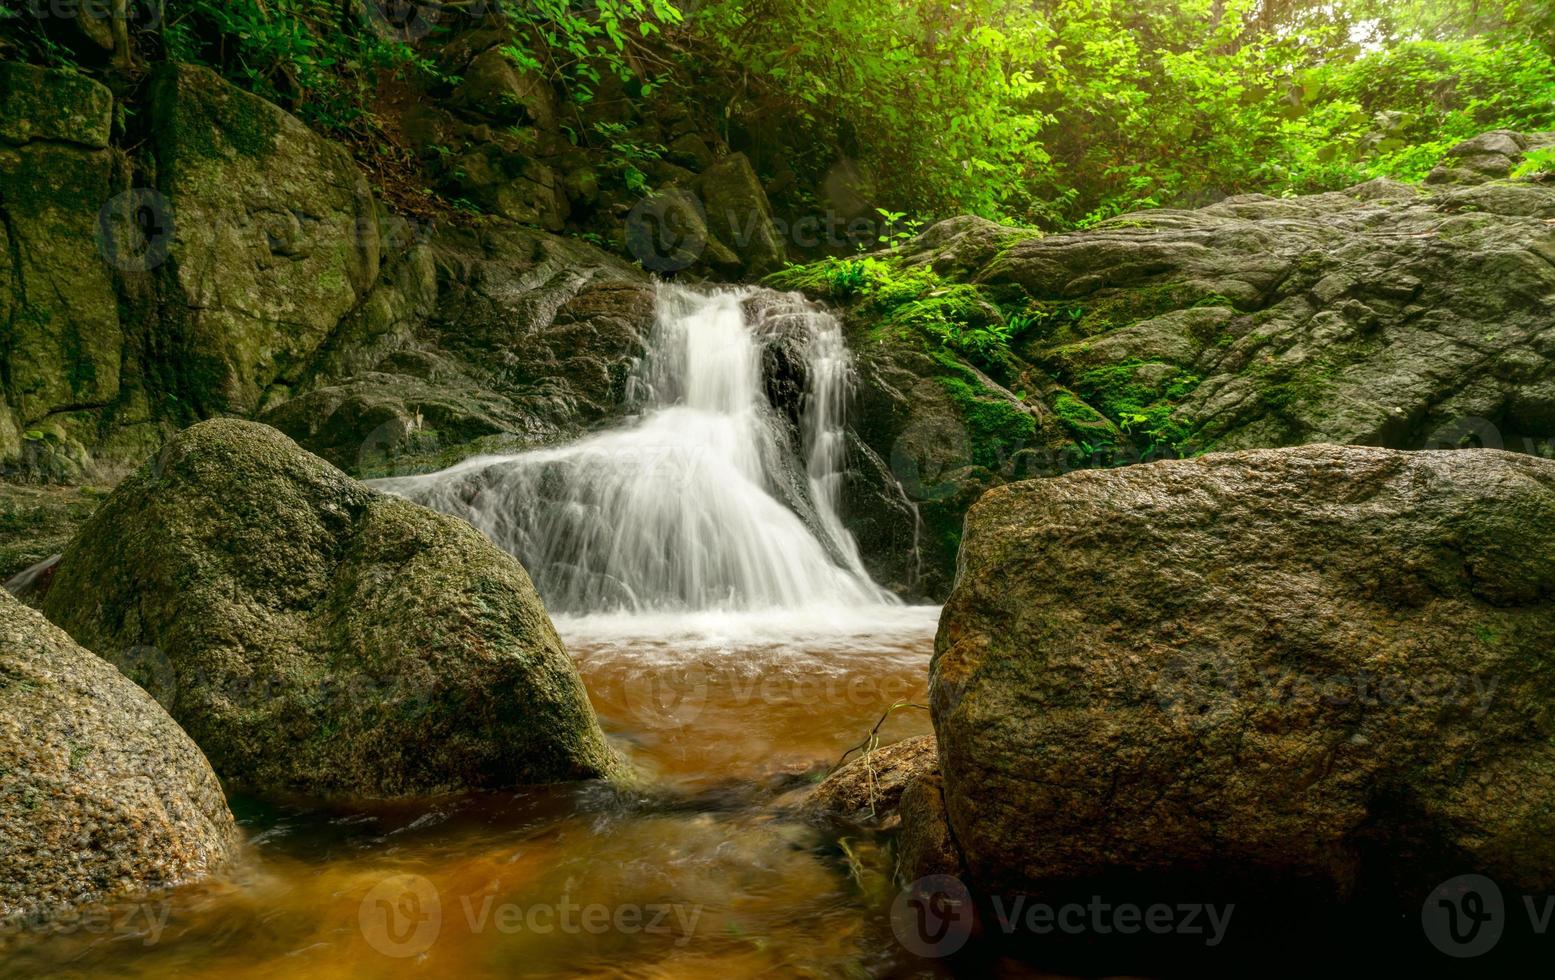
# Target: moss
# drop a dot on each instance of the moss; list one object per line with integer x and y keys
{"x": 1140, "y": 398}
{"x": 1075, "y": 412}
{"x": 997, "y": 428}
{"x": 205, "y": 118}
{"x": 1283, "y": 386}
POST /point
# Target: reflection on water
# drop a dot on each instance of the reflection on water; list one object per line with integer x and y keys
{"x": 697, "y": 871}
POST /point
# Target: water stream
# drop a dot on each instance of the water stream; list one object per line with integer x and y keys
{"x": 696, "y": 563}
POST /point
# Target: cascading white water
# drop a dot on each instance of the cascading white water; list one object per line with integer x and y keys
{"x": 679, "y": 509}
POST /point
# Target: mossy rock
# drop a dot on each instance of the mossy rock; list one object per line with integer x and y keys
{"x": 274, "y": 237}
{"x": 53, "y": 105}
{"x": 316, "y": 636}
{"x": 1318, "y": 671}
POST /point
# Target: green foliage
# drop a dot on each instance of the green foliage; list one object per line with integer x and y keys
{"x": 301, "y": 54}
{"x": 1054, "y": 113}
{"x": 1537, "y": 163}
{"x": 578, "y": 46}
{"x": 623, "y": 154}
{"x": 958, "y": 317}
{"x": 1065, "y": 113}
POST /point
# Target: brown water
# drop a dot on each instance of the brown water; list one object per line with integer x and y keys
{"x": 699, "y": 872}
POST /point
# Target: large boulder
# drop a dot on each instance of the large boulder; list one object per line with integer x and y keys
{"x": 1322, "y": 668}
{"x": 101, "y": 794}
{"x": 314, "y": 635}
{"x": 739, "y": 215}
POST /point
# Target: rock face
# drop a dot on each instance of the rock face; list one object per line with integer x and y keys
{"x": 101, "y": 794}
{"x": 1322, "y": 668}
{"x": 1386, "y": 314}
{"x": 62, "y": 343}
{"x": 313, "y": 635}
{"x": 273, "y": 236}
{"x": 490, "y": 332}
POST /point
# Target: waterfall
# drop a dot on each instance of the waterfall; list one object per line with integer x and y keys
{"x": 695, "y": 502}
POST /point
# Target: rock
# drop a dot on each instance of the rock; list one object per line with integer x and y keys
{"x": 39, "y": 104}
{"x": 668, "y": 232}
{"x": 488, "y": 332}
{"x": 925, "y": 846}
{"x": 274, "y": 236}
{"x": 932, "y": 433}
{"x": 513, "y": 185}
{"x": 101, "y": 794}
{"x": 1321, "y": 669}
{"x": 960, "y": 245}
{"x": 1486, "y": 157}
{"x": 691, "y": 150}
{"x": 495, "y": 88}
{"x": 63, "y": 344}
{"x": 739, "y": 216}
{"x": 867, "y": 790}
{"x": 376, "y": 423}
{"x": 316, "y": 636}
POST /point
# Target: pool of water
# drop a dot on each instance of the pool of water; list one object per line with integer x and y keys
{"x": 699, "y": 870}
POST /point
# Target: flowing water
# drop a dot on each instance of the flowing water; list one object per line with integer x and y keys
{"x": 697, "y": 565}
{"x": 691, "y": 505}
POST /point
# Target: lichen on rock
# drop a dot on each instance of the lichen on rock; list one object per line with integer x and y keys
{"x": 1322, "y": 669}
{"x": 101, "y": 795}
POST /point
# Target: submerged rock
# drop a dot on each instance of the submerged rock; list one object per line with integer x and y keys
{"x": 314, "y": 635}
{"x": 101, "y": 794}
{"x": 1322, "y": 668}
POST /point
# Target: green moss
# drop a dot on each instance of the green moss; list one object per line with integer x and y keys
{"x": 1283, "y": 386}
{"x": 1140, "y": 405}
{"x": 997, "y": 428}
{"x": 1075, "y": 412}
{"x": 203, "y": 117}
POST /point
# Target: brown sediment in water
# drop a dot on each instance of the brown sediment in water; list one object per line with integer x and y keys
{"x": 695, "y": 872}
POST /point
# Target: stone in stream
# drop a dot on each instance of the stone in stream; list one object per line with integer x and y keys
{"x": 313, "y": 635}
{"x": 867, "y": 790}
{"x": 101, "y": 794}
{"x": 1318, "y": 669}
